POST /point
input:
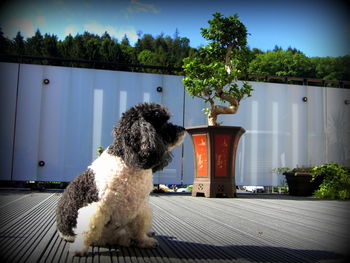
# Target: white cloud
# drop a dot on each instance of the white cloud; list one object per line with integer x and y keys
{"x": 24, "y": 25}
{"x": 27, "y": 26}
{"x": 71, "y": 29}
{"x": 137, "y": 6}
{"x": 40, "y": 20}
{"x": 131, "y": 33}
{"x": 117, "y": 32}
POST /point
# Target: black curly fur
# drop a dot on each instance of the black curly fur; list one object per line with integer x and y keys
{"x": 143, "y": 135}
{"x": 142, "y": 139}
{"x": 79, "y": 193}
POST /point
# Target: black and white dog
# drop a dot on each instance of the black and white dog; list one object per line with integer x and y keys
{"x": 108, "y": 203}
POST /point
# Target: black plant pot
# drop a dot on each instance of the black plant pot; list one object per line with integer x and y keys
{"x": 301, "y": 184}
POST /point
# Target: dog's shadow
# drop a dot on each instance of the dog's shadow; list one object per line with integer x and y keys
{"x": 171, "y": 248}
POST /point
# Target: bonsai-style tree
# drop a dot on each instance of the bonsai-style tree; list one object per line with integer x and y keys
{"x": 212, "y": 74}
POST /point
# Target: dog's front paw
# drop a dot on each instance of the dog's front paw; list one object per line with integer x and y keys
{"x": 124, "y": 241}
{"x": 148, "y": 242}
{"x": 80, "y": 253}
{"x": 151, "y": 234}
{"x": 78, "y": 250}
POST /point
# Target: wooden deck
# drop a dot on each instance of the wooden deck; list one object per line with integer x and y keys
{"x": 250, "y": 228}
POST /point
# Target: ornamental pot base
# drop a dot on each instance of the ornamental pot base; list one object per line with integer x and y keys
{"x": 213, "y": 189}
{"x": 214, "y": 160}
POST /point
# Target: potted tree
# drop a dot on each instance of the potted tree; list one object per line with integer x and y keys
{"x": 212, "y": 75}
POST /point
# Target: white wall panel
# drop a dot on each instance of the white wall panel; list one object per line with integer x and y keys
{"x": 173, "y": 98}
{"x": 78, "y": 110}
{"x": 62, "y": 123}
{"x": 276, "y": 120}
{"x": 27, "y": 131}
{"x": 338, "y": 126}
{"x": 8, "y": 93}
{"x": 53, "y": 122}
{"x": 316, "y": 125}
{"x": 73, "y": 115}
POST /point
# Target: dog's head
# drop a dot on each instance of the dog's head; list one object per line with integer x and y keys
{"x": 143, "y": 137}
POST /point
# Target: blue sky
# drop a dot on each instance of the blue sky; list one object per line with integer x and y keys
{"x": 316, "y": 27}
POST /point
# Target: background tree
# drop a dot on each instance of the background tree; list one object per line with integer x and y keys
{"x": 78, "y": 50}
{"x": 343, "y": 66}
{"x": 4, "y": 43}
{"x": 167, "y": 51}
{"x": 34, "y": 45}
{"x": 66, "y": 47}
{"x": 18, "y": 44}
{"x": 147, "y": 57}
{"x": 281, "y": 63}
{"x": 50, "y": 46}
{"x": 129, "y": 55}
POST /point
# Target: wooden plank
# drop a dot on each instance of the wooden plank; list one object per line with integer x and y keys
{"x": 35, "y": 228}
{"x": 250, "y": 228}
{"x": 7, "y": 199}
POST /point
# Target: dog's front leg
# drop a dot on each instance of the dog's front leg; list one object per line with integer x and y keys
{"x": 89, "y": 228}
{"x": 141, "y": 226}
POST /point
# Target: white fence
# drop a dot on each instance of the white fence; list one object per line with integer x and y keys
{"x": 63, "y": 122}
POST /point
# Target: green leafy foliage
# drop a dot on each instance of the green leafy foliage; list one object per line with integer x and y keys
{"x": 212, "y": 72}
{"x": 329, "y": 68}
{"x": 170, "y": 51}
{"x": 156, "y": 51}
{"x": 281, "y": 170}
{"x": 99, "y": 150}
{"x": 294, "y": 63}
{"x": 226, "y": 31}
{"x": 336, "y": 182}
{"x": 204, "y": 77}
{"x": 281, "y": 63}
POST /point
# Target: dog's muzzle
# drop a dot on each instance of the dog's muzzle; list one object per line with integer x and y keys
{"x": 180, "y": 135}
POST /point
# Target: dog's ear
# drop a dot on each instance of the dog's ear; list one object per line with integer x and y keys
{"x": 143, "y": 148}
{"x": 117, "y": 147}
{"x": 154, "y": 113}
{"x": 136, "y": 140}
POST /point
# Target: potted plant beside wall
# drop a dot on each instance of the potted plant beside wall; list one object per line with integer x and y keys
{"x": 212, "y": 75}
{"x": 330, "y": 181}
{"x": 301, "y": 181}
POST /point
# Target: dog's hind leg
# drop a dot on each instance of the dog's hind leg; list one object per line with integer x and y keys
{"x": 90, "y": 223}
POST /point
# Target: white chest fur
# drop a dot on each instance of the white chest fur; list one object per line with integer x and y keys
{"x": 122, "y": 190}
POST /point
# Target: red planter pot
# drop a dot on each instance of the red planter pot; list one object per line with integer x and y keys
{"x": 214, "y": 160}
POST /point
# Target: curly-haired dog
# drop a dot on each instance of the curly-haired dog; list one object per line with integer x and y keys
{"x": 108, "y": 203}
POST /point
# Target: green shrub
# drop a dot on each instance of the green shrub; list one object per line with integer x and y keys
{"x": 336, "y": 182}
{"x": 99, "y": 150}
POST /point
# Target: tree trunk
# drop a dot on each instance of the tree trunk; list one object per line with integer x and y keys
{"x": 228, "y": 67}
{"x": 212, "y": 120}
{"x": 218, "y": 109}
